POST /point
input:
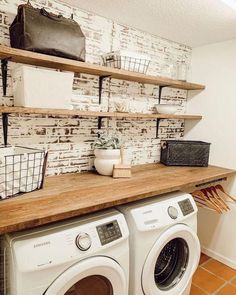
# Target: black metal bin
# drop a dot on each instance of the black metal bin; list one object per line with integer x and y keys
{"x": 185, "y": 153}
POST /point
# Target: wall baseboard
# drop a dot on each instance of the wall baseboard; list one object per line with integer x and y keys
{"x": 219, "y": 257}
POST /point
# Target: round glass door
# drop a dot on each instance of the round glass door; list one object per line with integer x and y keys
{"x": 92, "y": 276}
{"x": 95, "y": 284}
{"x": 171, "y": 264}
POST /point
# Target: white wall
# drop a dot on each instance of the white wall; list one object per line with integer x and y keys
{"x": 215, "y": 66}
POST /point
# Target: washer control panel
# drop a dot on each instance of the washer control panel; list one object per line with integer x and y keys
{"x": 186, "y": 207}
{"x": 109, "y": 232}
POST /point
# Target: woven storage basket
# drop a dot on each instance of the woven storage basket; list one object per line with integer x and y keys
{"x": 185, "y": 153}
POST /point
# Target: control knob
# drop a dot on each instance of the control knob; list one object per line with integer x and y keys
{"x": 83, "y": 241}
{"x": 173, "y": 212}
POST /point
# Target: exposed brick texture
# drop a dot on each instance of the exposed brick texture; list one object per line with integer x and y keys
{"x": 75, "y": 136}
{"x": 69, "y": 140}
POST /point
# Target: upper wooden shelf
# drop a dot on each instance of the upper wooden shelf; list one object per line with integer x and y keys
{"x": 23, "y": 110}
{"x": 71, "y": 195}
{"x": 43, "y": 60}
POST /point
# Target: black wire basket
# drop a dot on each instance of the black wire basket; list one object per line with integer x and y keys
{"x": 118, "y": 61}
{"x": 22, "y": 170}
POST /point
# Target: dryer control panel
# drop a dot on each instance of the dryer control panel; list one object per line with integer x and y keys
{"x": 109, "y": 232}
{"x": 186, "y": 207}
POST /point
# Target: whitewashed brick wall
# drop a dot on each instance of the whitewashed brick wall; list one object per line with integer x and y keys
{"x": 69, "y": 140}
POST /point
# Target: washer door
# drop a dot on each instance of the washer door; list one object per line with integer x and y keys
{"x": 171, "y": 262}
{"x": 96, "y": 275}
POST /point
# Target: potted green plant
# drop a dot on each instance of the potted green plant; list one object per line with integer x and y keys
{"x": 107, "y": 154}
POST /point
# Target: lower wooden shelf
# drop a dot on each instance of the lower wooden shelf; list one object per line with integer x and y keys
{"x": 44, "y": 111}
{"x": 73, "y": 195}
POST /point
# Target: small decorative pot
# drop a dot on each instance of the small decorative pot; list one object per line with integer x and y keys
{"x": 105, "y": 160}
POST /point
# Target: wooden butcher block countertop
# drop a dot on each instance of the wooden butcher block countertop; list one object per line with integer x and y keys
{"x": 73, "y": 195}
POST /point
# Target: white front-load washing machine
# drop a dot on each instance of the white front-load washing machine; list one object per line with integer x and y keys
{"x": 164, "y": 247}
{"x": 86, "y": 256}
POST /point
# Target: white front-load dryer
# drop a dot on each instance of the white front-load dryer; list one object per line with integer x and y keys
{"x": 164, "y": 247}
{"x": 86, "y": 256}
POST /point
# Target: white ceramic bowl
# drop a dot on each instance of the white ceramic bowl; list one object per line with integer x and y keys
{"x": 166, "y": 108}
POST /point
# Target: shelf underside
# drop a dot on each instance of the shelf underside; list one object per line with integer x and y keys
{"x": 43, "y": 60}
{"x": 24, "y": 110}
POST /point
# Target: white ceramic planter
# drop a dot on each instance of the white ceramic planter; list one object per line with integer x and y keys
{"x": 105, "y": 160}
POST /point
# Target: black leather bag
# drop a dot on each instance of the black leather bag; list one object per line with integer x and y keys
{"x": 37, "y": 30}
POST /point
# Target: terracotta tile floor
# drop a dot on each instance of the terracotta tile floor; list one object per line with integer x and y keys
{"x": 213, "y": 277}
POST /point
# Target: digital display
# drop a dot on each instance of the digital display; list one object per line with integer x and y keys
{"x": 109, "y": 232}
{"x": 186, "y": 207}
{"x": 109, "y": 225}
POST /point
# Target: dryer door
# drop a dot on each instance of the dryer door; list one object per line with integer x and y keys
{"x": 96, "y": 275}
{"x": 171, "y": 262}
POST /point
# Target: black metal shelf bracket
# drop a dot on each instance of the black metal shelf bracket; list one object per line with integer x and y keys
{"x": 100, "y": 124}
{"x": 160, "y": 92}
{"x": 4, "y": 63}
{"x": 157, "y": 127}
{"x": 159, "y": 101}
{"x": 101, "y": 79}
{"x": 5, "y": 127}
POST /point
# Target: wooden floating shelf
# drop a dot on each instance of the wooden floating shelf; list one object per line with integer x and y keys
{"x": 42, "y": 111}
{"x": 43, "y": 60}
